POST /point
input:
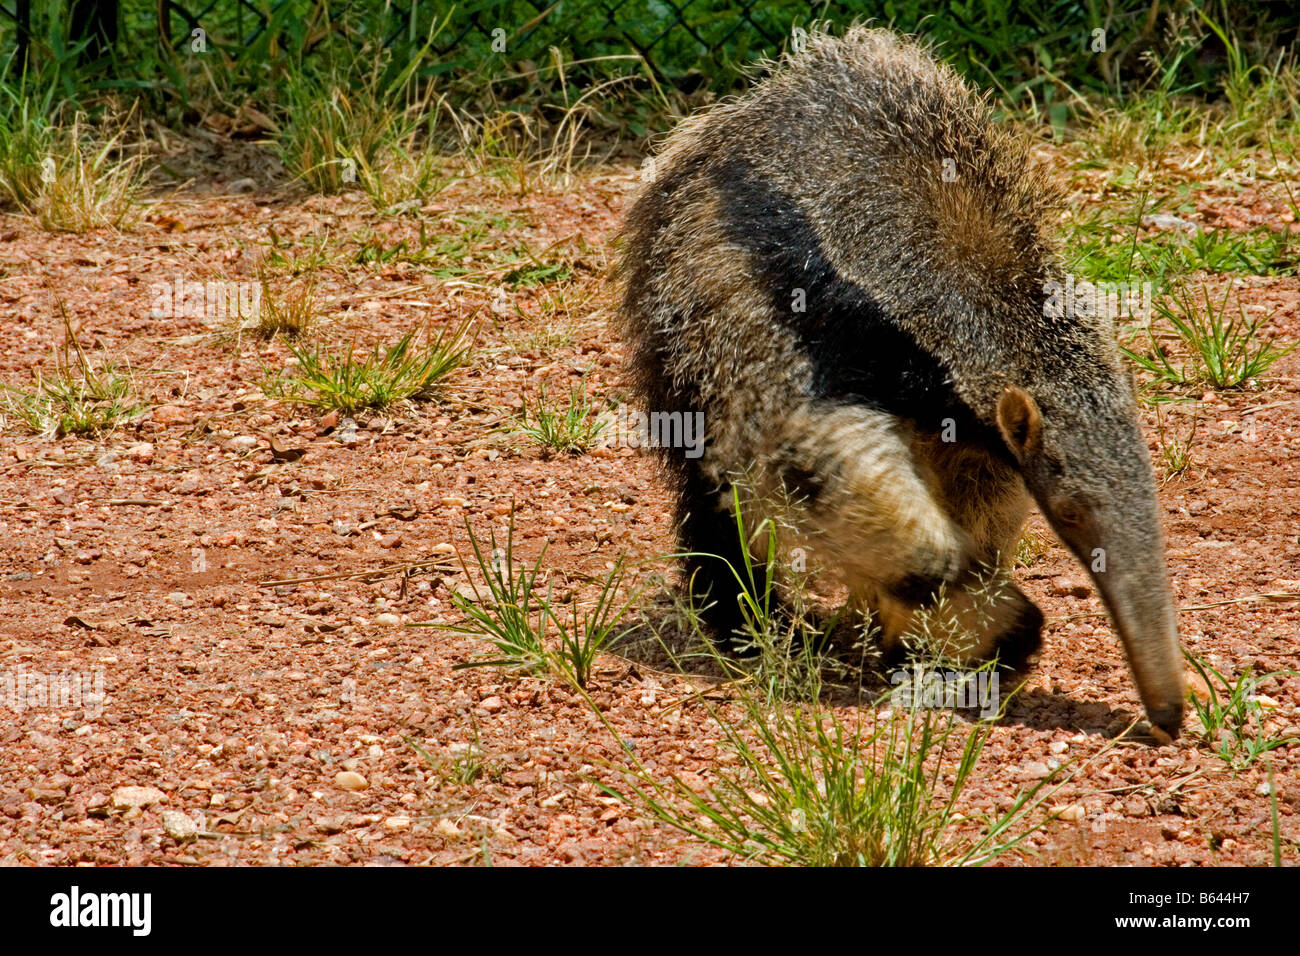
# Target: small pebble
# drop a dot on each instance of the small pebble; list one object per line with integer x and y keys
{"x": 170, "y": 415}
{"x": 178, "y": 825}
{"x": 1065, "y": 585}
{"x": 1164, "y": 222}
{"x": 1034, "y": 770}
{"x": 134, "y": 797}
{"x": 350, "y": 780}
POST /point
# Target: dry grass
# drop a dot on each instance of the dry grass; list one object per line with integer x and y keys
{"x": 289, "y": 311}
{"x": 92, "y": 182}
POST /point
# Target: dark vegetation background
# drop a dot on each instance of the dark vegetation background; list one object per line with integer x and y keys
{"x": 1039, "y": 55}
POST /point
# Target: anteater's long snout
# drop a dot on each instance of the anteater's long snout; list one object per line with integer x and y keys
{"x": 1141, "y": 606}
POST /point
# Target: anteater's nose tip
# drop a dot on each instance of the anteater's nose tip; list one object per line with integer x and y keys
{"x": 1169, "y": 719}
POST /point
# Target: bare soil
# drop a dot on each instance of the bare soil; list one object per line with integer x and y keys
{"x": 144, "y": 556}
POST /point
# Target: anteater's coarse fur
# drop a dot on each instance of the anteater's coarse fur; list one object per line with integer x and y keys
{"x": 844, "y": 270}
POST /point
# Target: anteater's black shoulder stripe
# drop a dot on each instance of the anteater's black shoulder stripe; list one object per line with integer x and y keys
{"x": 859, "y": 354}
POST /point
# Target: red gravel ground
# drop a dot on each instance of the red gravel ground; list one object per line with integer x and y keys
{"x": 142, "y": 558}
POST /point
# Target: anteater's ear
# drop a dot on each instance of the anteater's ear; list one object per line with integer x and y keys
{"x": 1020, "y": 422}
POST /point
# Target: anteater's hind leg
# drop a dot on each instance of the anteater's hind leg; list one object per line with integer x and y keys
{"x": 708, "y": 534}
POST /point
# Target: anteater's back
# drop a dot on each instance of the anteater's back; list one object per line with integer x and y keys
{"x": 865, "y": 174}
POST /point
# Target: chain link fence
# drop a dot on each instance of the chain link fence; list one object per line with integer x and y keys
{"x": 675, "y": 39}
{"x": 1028, "y": 48}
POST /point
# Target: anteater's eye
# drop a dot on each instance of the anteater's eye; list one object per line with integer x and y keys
{"x": 1070, "y": 512}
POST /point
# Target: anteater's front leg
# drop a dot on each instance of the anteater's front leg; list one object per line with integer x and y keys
{"x": 921, "y": 534}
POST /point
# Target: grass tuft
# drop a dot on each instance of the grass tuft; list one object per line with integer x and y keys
{"x": 1232, "y": 715}
{"x": 523, "y": 623}
{"x": 25, "y": 144}
{"x": 1030, "y": 548}
{"x": 1225, "y": 348}
{"x": 90, "y": 185}
{"x": 348, "y": 383}
{"x": 804, "y": 787}
{"x": 290, "y": 312}
{"x": 1176, "y": 446}
{"x": 573, "y": 430}
{"x": 79, "y": 398}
